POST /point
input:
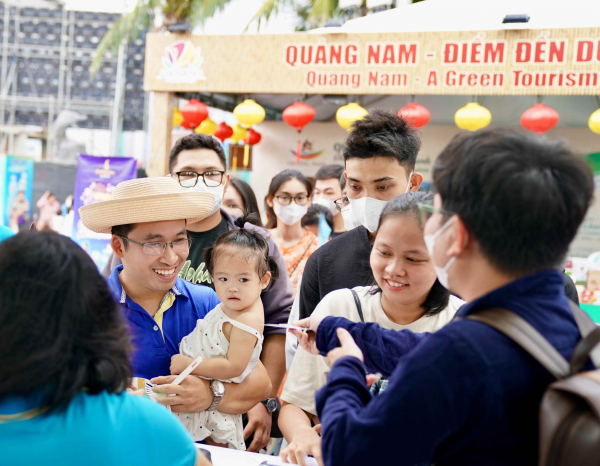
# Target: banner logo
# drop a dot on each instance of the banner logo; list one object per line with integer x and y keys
{"x": 307, "y": 151}
{"x": 182, "y": 63}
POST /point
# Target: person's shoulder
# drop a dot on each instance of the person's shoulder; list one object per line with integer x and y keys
{"x": 337, "y": 303}
{"x": 454, "y": 304}
{"x": 343, "y": 242}
{"x": 448, "y": 313}
{"x": 193, "y": 290}
{"x": 252, "y": 319}
{"x": 104, "y": 410}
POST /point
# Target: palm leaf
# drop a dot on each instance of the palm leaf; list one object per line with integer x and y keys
{"x": 268, "y": 8}
{"x": 205, "y": 9}
{"x": 127, "y": 27}
{"x": 321, "y": 11}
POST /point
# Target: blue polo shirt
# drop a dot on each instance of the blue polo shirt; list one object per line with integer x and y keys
{"x": 153, "y": 347}
{"x": 464, "y": 395}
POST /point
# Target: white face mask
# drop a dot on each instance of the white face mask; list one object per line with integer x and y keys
{"x": 216, "y": 191}
{"x": 290, "y": 214}
{"x": 327, "y": 203}
{"x": 441, "y": 272}
{"x": 366, "y": 211}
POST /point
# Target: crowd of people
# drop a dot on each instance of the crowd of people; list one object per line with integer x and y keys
{"x": 190, "y": 313}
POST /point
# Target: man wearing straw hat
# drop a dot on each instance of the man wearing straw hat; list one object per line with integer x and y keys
{"x": 147, "y": 219}
{"x": 198, "y": 163}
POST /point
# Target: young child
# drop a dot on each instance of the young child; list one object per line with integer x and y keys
{"x": 229, "y": 338}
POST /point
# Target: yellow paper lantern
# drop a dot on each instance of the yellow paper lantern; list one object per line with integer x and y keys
{"x": 594, "y": 121}
{"x": 208, "y": 127}
{"x": 249, "y": 113}
{"x": 239, "y": 133}
{"x": 177, "y": 117}
{"x": 472, "y": 117}
{"x": 348, "y": 114}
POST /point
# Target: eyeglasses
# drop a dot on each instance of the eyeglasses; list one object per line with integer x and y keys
{"x": 211, "y": 178}
{"x": 301, "y": 199}
{"x": 342, "y": 203}
{"x": 426, "y": 211}
{"x": 157, "y": 248}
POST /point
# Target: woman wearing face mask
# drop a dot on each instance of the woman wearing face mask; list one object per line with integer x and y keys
{"x": 407, "y": 295}
{"x": 286, "y": 203}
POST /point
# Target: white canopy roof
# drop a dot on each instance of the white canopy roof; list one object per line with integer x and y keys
{"x": 477, "y": 15}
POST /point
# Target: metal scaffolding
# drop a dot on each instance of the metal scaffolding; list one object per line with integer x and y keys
{"x": 45, "y": 59}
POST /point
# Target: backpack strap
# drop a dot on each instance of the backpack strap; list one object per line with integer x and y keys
{"x": 586, "y": 327}
{"x": 358, "y": 305}
{"x": 584, "y": 350}
{"x": 527, "y": 337}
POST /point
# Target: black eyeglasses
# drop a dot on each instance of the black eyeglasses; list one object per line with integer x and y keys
{"x": 301, "y": 199}
{"x": 212, "y": 178}
{"x": 342, "y": 203}
{"x": 156, "y": 248}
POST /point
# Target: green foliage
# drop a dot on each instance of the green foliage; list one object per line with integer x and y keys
{"x": 312, "y": 14}
{"x": 142, "y": 17}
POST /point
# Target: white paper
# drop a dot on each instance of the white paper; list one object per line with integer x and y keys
{"x": 230, "y": 457}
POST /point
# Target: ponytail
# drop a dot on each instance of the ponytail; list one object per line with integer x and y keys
{"x": 245, "y": 239}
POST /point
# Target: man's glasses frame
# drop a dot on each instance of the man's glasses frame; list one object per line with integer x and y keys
{"x": 189, "y": 175}
{"x": 342, "y": 203}
{"x": 152, "y": 248}
{"x": 426, "y": 211}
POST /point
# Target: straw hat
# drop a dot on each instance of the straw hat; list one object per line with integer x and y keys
{"x": 146, "y": 200}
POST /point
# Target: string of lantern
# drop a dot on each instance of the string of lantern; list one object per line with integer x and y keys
{"x": 472, "y": 117}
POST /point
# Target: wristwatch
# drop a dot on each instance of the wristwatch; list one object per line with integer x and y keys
{"x": 270, "y": 404}
{"x": 219, "y": 391}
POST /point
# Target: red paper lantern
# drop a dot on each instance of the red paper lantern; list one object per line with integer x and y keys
{"x": 194, "y": 112}
{"x": 539, "y": 118}
{"x": 298, "y": 115}
{"x": 415, "y": 115}
{"x": 223, "y": 131}
{"x": 253, "y": 137}
{"x": 186, "y": 124}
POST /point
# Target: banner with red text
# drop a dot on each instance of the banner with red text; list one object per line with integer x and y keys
{"x": 533, "y": 62}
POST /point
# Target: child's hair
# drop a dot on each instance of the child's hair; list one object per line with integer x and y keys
{"x": 313, "y": 216}
{"x": 250, "y": 240}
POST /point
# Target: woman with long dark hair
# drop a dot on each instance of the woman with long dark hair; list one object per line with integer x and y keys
{"x": 406, "y": 295}
{"x": 239, "y": 200}
{"x": 286, "y": 204}
{"x": 65, "y": 366}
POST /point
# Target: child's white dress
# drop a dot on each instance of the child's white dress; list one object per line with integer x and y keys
{"x": 208, "y": 340}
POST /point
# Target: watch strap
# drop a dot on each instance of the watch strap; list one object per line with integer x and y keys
{"x": 216, "y": 400}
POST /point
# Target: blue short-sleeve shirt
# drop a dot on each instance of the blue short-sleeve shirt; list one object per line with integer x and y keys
{"x": 153, "y": 347}
{"x": 95, "y": 430}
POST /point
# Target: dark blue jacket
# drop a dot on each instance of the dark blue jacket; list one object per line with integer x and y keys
{"x": 465, "y": 395}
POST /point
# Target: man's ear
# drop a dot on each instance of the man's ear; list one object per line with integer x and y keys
{"x": 117, "y": 246}
{"x": 227, "y": 178}
{"x": 266, "y": 279}
{"x": 415, "y": 181}
{"x": 460, "y": 237}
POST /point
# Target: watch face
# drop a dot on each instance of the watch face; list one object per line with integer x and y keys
{"x": 217, "y": 387}
{"x": 271, "y": 405}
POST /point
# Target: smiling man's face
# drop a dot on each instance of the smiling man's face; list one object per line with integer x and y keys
{"x": 155, "y": 273}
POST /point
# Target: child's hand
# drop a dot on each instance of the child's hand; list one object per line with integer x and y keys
{"x": 179, "y": 362}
